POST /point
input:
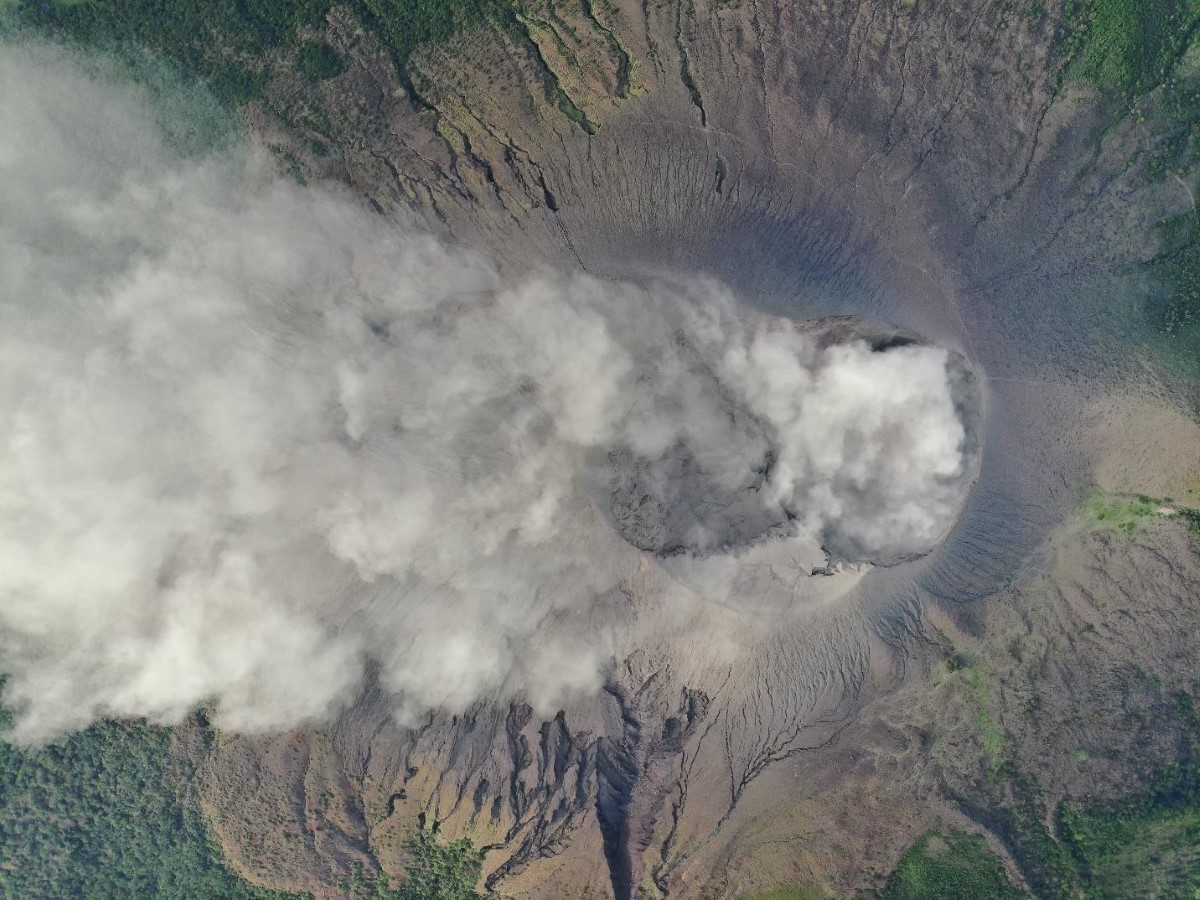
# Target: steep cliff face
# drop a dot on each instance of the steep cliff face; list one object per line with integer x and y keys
{"x": 920, "y": 164}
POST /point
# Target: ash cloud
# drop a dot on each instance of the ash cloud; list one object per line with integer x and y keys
{"x": 257, "y": 440}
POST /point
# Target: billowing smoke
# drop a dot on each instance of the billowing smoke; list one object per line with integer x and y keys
{"x": 257, "y": 440}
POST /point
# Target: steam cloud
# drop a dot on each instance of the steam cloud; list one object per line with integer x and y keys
{"x": 256, "y": 439}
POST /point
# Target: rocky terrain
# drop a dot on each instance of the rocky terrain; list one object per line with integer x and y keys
{"x": 932, "y": 167}
{"x": 924, "y": 165}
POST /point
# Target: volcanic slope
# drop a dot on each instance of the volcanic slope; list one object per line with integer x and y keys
{"x": 928, "y": 165}
{"x": 931, "y": 166}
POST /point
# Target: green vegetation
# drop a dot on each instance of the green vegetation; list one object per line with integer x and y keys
{"x": 405, "y": 25}
{"x": 1139, "y": 849}
{"x": 793, "y": 893}
{"x": 1144, "y": 57}
{"x": 1012, "y": 807}
{"x": 1128, "y": 46}
{"x": 1117, "y": 512}
{"x": 568, "y": 108}
{"x": 100, "y": 816}
{"x": 1102, "y": 511}
{"x": 1144, "y": 846}
{"x": 950, "y": 866}
{"x": 435, "y": 870}
{"x": 227, "y": 42}
{"x": 1141, "y": 54}
{"x": 990, "y": 733}
{"x": 318, "y": 62}
{"x": 1173, "y": 307}
{"x": 232, "y": 44}
{"x": 1147, "y": 845}
{"x": 967, "y": 679}
{"x": 447, "y": 871}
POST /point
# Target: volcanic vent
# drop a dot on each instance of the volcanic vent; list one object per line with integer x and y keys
{"x": 853, "y": 442}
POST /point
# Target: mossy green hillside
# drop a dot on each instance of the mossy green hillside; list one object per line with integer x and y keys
{"x": 1103, "y": 511}
{"x": 1145, "y": 845}
{"x": 790, "y": 893}
{"x": 1128, "y": 46}
{"x": 101, "y": 815}
{"x": 1143, "y": 58}
{"x": 950, "y": 865}
{"x": 226, "y": 41}
{"x": 105, "y": 813}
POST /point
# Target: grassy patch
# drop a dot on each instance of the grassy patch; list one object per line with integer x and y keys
{"x": 790, "y": 893}
{"x": 968, "y": 681}
{"x": 1135, "y": 853}
{"x": 445, "y": 871}
{"x": 1173, "y": 304}
{"x": 103, "y": 814}
{"x": 950, "y": 865}
{"x": 1147, "y": 845}
{"x": 1117, "y": 512}
{"x": 1016, "y": 812}
{"x": 568, "y": 108}
{"x": 1102, "y": 511}
{"x": 229, "y": 44}
{"x": 991, "y": 735}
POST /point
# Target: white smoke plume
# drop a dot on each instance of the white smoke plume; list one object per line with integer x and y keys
{"x": 254, "y": 439}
